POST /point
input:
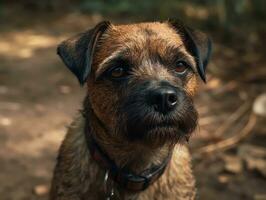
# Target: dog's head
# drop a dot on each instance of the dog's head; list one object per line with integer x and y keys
{"x": 141, "y": 77}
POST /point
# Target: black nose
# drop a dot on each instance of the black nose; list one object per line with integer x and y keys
{"x": 163, "y": 99}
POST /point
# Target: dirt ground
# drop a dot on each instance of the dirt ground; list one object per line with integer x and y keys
{"x": 39, "y": 97}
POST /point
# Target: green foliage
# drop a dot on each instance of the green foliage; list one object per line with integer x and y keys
{"x": 225, "y": 13}
{"x": 155, "y": 8}
{"x": 214, "y": 13}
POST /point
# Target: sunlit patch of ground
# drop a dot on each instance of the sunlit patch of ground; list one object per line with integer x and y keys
{"x": 24, "y": 44}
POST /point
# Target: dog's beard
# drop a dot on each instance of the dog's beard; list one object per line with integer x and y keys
{"x": 139, "y": 122}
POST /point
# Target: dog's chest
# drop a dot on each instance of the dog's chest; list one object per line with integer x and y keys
{"x": 177, "y": 182}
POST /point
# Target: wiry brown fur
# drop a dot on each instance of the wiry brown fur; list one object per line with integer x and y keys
{"x": 76, "y": 175}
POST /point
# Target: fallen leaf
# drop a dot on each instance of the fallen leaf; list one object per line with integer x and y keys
{"x": 254, "y": 158}
{"x": 233, "y": 164}
{"x": 259, "y": 106}
{"x": 223, "y": 178}
{"x": 41, "y": 190}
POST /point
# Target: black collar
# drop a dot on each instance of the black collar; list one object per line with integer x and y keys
{"x": 125, "y": 179}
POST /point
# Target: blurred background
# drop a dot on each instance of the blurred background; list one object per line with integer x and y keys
{"x": 39, "y": 96}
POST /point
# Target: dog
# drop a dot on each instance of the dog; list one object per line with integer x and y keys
{"x": 129, "y": 140}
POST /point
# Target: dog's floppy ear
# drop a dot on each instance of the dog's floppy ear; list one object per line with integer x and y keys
{"x": 77, "y": 52}
{"x": 197, "y": 43}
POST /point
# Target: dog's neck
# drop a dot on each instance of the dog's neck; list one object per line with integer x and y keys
{"x": 133, "y": 156}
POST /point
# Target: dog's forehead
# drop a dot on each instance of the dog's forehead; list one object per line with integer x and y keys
{"x": 137, "y": 39}
{"x": 143, "y": 31}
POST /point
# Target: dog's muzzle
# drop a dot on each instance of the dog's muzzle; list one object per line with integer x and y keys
{"x": 157, "y": 109}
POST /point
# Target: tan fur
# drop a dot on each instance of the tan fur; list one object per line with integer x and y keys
{"x": 76, "y": 175}
{"x": 136, "y": 42}
{"x": 84, "y": 178}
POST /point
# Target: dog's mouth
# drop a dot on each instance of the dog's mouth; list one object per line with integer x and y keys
{"x": 172, "y": 130}
{"x": 161, "y": 125}
{"x": 159, "y": 132}
{"x": 158, "y": 129}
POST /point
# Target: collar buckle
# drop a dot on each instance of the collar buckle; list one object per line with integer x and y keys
{"x": 108, "y": 186}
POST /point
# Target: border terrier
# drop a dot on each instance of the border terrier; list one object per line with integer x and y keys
{"x": 129, "y": 140}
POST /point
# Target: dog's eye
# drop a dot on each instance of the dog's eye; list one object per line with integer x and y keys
{"x": 118, "y": 72}
{"x": 181, "y": 67}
